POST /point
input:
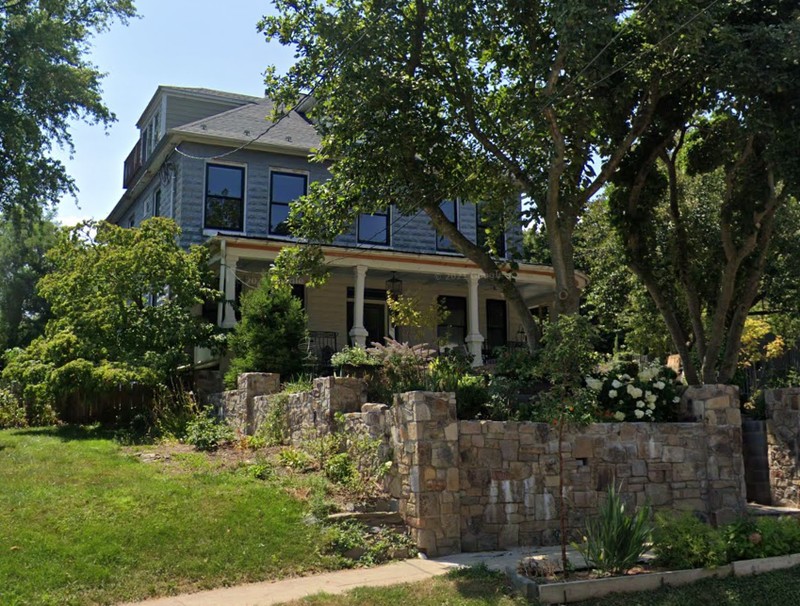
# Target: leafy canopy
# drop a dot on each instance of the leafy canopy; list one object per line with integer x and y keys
{"x": 122, "y": 310}
{"x": 424, "y": 100}
{"x": 46, "y": 81}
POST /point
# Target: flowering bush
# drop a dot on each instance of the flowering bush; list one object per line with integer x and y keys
{"x": 626, "y": 392}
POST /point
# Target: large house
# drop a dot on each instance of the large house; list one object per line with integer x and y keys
{"x": 211, "y": 161}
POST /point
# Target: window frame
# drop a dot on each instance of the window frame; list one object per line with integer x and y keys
{"x": 387, "y": 232}
{"x": 227, "y": 165}
{"x": 272, "y": 203}
{"x": 440, "y": 247}
{"x": 443, "y": 328}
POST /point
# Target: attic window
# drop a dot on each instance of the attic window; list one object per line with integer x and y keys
{"x": 224, "y": 208}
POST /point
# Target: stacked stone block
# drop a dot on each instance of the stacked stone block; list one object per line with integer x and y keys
{"x": 312, "y": 413}
{"x": 425, "y": 441}
{"x": 241, "y": 407}
{"x": 783, "y": 445}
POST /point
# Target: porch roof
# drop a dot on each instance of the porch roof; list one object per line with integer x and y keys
{"x": 536, "y": 282}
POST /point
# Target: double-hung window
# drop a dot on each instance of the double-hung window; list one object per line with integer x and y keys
{"x": 224, "y": 197}
{"x": 374, "y": 228}
{"x": 284, "y": 188}
{"x": 450, "y": 210}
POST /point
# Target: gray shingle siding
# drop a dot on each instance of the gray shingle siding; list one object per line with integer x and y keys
{"x": 183, "y": 188}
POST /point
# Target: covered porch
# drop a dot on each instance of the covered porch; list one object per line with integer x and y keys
{"x": 351, "y": 308}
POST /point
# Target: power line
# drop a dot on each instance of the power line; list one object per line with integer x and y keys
{"x": 305, "y": 97}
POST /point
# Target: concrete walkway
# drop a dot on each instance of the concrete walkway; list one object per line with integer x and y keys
{"x": 406, "y": 571}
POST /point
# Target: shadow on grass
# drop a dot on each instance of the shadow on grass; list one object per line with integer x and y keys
{"x": 479, "y": 582}
{"x": 70, "y": 433}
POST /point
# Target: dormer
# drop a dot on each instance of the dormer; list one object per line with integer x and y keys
{"x": 171, "y": 107}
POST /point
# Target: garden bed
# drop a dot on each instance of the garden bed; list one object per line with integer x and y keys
{"x": 580, "y": 589}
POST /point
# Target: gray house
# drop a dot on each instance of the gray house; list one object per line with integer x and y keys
{"x": 211, "y": 161}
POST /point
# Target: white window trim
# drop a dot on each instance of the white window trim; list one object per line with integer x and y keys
{"x": 215, "y": 230}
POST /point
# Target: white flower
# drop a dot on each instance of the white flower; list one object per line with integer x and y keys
{"x": 659, "y": 385}
{"x": 639, "y": 413}
{"x": 625, "y": 377}
{"x": 619, "y": 415}
{"x": 634, "y": 392}
{"x": 612, "y": 393}
{"x": 648, "y": 374}
{"x": 675, "y": 400}
{"x": 650, "y": 397}
{"x": 616, "y": 384}
{"x": 649, "y": 413}
{"x": 651, "y": 405}
{"x": 639, "y": 404}
{"x": 594, "y": 384}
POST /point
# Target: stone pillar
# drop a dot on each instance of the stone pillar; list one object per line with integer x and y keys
{"x": 783, "y": 445}
{"x": 228, "y": 286}
{"x": 474, "y": 338}
{"x": 358, "y": 333}
{"x": 425, "y": 442}
{"x": 717, "y": 407}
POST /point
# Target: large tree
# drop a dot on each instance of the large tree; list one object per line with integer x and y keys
{"x": 24, "y": 242}
{"x": 121, "y": 304}
{"x": 704, "y": 271}
{"x": 46, "y": 81}
{"x": 423, "y": 100}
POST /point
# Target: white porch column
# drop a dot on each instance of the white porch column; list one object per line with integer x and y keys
{"x": 474, "y": 337}
{"x": 227, "y": 277}
{"x": 358, "y": 333}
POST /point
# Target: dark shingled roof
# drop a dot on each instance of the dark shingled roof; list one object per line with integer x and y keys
{"x": 243, "y": 124}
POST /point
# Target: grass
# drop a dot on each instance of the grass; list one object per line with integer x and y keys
{"x": 479, "y": 587}
{"x": 82, "y": 522}
{"x": 464, "y": 587}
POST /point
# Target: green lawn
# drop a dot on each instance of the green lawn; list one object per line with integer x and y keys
{"x": 482, "y": 588}
{"x": 82, "y": 522}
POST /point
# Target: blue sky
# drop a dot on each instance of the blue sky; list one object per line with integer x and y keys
{"x": 200, "y": 43}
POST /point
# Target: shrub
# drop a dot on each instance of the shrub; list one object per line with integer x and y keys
{"x": 272, "y": 334}
{"x": 340, "y": 469}
{"x": 517, "y": 363}
{"x": 275, "y": 428}
{"x": 356, "y": 357}
{"x": 403, "y": 367}
{"x": 445, "y": 371}
{"x": 627, "y": 392}
{"x": 614, "y": 540}
{"x": 12, "y": 413}
{"x": 472, "y": 396}
{"x": 207, "y": 433}
{"x": 295, "y": 459}
{"x": 681, "y": 542}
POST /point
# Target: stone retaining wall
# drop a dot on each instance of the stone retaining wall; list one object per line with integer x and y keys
{"x": 783, "y": 445}
{"x": 476, "y": 485}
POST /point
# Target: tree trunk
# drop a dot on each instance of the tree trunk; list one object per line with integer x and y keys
{"x": 490, "y": 268}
